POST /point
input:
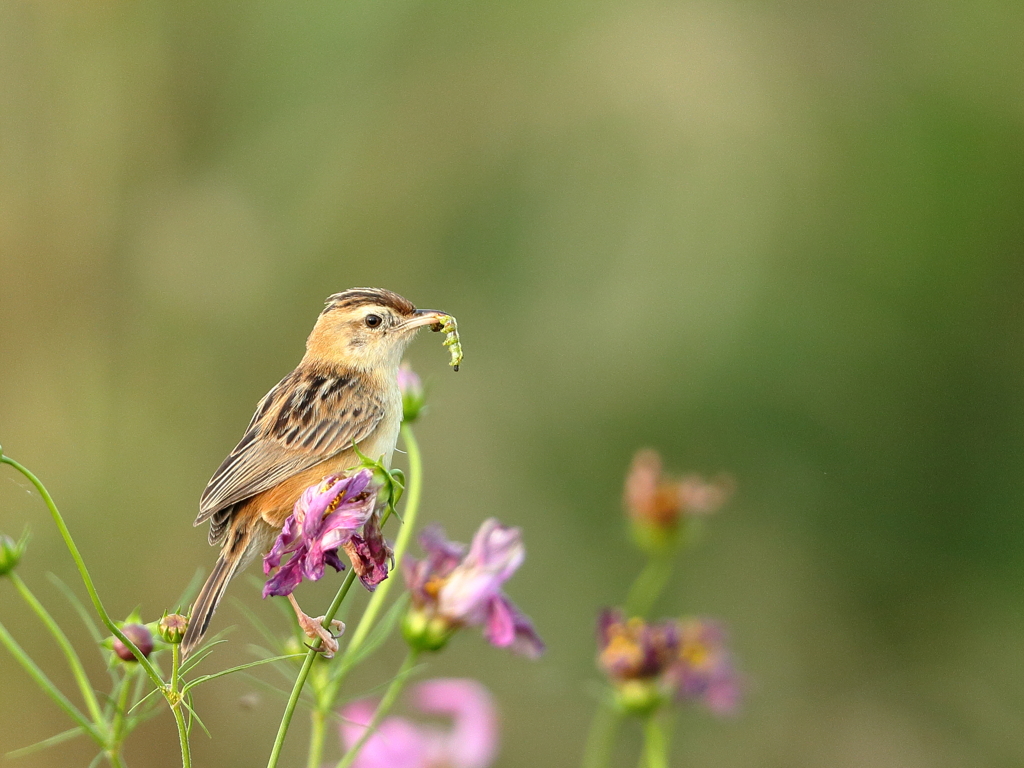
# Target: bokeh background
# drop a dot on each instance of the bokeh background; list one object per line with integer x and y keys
{"x": 780, "y": 239}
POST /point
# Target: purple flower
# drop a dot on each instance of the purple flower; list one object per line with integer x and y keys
{"x": 450, "y": 590}
{"x": 470, "y": 742}
{"x": 328, "y": 517}
{"x": 650, "y": 663}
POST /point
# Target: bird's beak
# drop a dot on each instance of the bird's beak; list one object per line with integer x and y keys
{"x": 421, "y": 317}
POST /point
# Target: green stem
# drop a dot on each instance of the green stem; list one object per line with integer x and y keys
{"x": 122, "y": 708}
{"x": 412, "y": 505}
{"x": 179, "y": 720}
{"x": 175, "y": 667}
{"x": 307, "y": 663}
{"x": 601, "y": 737}
{"x": 655, "y": 743}
{"x": 114, "y": 757}
{"x": 91, "y": 703}
{"x": 376, "y": 604}
{"x": 650, "y": 584}
{"x": 83, "y": 571}
{"x": 48, "y": 687}
{"x": 316, "y": 738}
{"x": 390, "y": 697}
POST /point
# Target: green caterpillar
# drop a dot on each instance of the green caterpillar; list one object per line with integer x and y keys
{"x": 451, "y": 340}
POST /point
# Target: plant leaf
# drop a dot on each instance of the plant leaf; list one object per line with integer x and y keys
{"x": 206, "y": 678}
{"x": 45, "y": 743}
{"x": 83, "y": 614}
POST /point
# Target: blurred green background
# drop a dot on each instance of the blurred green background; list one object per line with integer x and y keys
{"x": 779, "y": 239}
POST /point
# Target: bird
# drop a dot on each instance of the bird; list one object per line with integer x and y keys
{"x": 341, "y": 398}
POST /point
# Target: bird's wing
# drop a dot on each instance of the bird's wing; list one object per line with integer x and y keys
{"x": 308, "y": 417}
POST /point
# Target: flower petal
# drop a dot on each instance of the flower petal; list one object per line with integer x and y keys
{"x": 473, "y": 739}
{"x": 442, "y": 555}
{"x": 500, "y": 629}
{"x": 508, "y": 627}
{"x": 397, "y": 742}
{"x": 369, "y": 559}
{"x": 287, "y": 578}
{"x": 497, "y": 549}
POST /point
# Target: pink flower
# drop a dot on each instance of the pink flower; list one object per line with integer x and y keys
{"x": 471, "y": 740}
{"x": 327, "y": 517}
{"x": 450, "y": 590}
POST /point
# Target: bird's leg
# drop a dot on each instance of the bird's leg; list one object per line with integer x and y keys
{"x": 314, "y": 628}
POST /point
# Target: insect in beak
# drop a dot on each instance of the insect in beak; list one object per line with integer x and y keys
{"x": 440, "y": 321}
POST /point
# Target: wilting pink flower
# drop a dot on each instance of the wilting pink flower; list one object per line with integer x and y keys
{"x": 412, "y": 392}
{"x": 327, "y": 517}
{"x": 451, "y": 589}
{"x": 657, "y": 504}
{"x": 470, "y": 742}
{"x": 650, "y": 663}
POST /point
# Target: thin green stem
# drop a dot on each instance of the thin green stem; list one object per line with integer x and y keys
{"x": 390, "y": 697}
{"x": 318, "y": 718}
{"x": 179, "y": 720}
{"x": 329, "y": 695}
{"x": 650, "y": 584}
{"x": 655, "y": 743}
{"x": 412, "y": 505}
{"x": 88, "y": 694}
{"x": 83, "y": 571}
{"x": 48, "y": 687}
{"x": 307, "y": 663}
{"x": 114, "y": 757}
{"x": 373, "y": 608}
{"x": 121, "y": 711}
{"x": 601, "y": 737}
{"x": 175, "y": 667}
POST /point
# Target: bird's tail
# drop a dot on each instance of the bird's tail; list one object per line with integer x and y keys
{"x": 206, "y": 603}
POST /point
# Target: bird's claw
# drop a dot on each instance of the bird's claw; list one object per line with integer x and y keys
{"x": 314, "y": 628}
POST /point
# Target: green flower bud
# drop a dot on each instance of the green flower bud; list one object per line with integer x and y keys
{"x": 655, "y": 538}
{"x": 11, "y": 552}
{"x": 426, "y": 633}
{"x": 411, "y": 388}
{"x": 172, "y": 628}
{"x": 639, "y": 697}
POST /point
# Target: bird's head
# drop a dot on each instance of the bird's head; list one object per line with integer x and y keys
{"x": 367, "y": 329}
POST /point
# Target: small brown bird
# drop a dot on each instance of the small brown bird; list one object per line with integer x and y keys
{"x": 344, "y": 392}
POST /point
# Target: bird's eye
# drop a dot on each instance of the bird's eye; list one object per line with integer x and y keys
{"x": 372, "y": 321}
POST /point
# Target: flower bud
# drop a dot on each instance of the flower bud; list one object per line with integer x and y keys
{"x": 11, "y": 552}
{"x": 292, "y": 646}
{"x": 172, "y": 628}
{"x": 411, "y": 387}
{"x": 140, "y": 635}
{"x": 639, "y": 697}
{"x": 426, "y": 633}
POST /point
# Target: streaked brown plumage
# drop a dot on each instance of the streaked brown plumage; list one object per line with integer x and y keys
{"x": 343, "y": 392}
